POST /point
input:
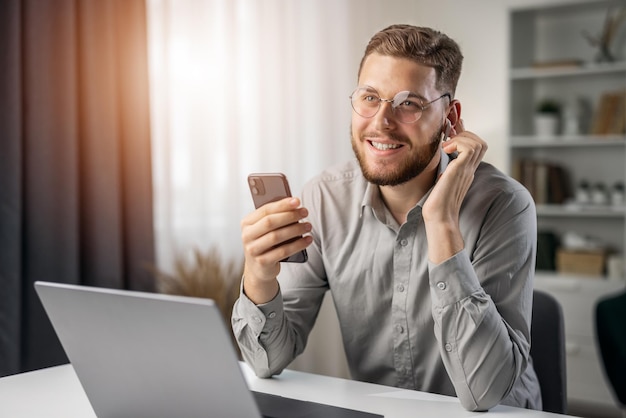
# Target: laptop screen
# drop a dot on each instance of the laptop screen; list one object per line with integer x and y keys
{"x": 153, "y": 355}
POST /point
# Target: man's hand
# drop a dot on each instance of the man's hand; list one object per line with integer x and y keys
{"x": 442, "y": 208}
{"x": 264, "y": 233}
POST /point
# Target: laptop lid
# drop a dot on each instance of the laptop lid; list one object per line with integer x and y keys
{"x": 148, "y": 355}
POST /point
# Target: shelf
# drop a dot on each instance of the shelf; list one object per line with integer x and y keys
{"x": 582, "y": 211}
{"x": 567, "y": 281}
{"x": 554, "y": 280}
{"x": 533, "y": 141}
{"x": 568, "y": 71}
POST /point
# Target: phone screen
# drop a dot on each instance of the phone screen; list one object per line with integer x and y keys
{"x": 271, "y": 187}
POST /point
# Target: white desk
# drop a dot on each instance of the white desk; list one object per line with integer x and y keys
{"x": 56, "y": 392}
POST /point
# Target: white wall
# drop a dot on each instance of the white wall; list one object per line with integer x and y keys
{"x": 481, "y": 29}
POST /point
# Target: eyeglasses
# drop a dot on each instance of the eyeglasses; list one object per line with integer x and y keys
{"x": 404, "y": 105}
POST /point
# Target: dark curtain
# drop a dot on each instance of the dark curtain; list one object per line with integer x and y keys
{"x": 75, "y": 173}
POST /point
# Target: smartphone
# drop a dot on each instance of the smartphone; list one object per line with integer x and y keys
{"x": 270, "y": 187}
{"x": 445, "y": 135}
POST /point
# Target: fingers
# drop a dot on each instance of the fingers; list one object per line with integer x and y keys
{"x": 286, "y": 204}
{"x": 275, "y": 215}
{"x": 460, "y": 126}
{"x": 444, "y": 203}
{"x": 470, "y": 147}
{"x": 273, "y": 232}
{"x": 277, "y": 244}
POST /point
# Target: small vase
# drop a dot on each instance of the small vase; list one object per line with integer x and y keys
{"x": 546, "y": 125}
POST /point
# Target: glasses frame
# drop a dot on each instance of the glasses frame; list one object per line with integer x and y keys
{"x": 391, "y": 102}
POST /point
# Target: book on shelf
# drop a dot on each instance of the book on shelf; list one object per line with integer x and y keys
{"x": 548, "y": 183}
{"x": 610, "y": 114}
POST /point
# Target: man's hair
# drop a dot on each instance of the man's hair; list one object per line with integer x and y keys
{"x": 425, "y": 46}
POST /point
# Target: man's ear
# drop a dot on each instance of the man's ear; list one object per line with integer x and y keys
{"x": 453, "y": 116}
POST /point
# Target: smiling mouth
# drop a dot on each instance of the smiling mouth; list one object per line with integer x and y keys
{"x": 384, "y": 147}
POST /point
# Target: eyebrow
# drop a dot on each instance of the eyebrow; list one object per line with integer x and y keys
{"x": 415, "y": 95}
{"x": 411, "y": 93}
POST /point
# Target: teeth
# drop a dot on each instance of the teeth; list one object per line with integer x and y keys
{"x": 384, "y": 147}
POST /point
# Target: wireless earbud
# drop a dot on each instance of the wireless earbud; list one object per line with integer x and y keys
{"x": 446, "y": 134}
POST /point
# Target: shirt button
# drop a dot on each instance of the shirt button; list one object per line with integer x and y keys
{"x": 400, "y": 288}
{"x": 448, "y": 347}
{"x": 404, "y": 243}
{"x": 399, "y": 329}
{"x": 272, "y": 315}
{"x": 441, "y": 286}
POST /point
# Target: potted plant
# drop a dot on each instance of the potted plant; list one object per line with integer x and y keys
{"x": 547, "y": 117}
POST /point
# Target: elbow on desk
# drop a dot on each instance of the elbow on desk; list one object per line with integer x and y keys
{"x": 479, "y": 405}
{"x": 487, "y": 400}
{"x": 264, "y": 372}
{"x": 259, "y": 368}
{"x": 259, "y": 364}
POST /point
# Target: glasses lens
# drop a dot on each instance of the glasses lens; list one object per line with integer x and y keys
{"x": 365, "y": 101}
{"x": 406, "y": 107}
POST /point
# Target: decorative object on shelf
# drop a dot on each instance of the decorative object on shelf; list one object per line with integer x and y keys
{"x": 599, "y": 196}
{"x": 574, "y": 241}
{"x": 613, "y": 21}
{"x": 617, "y": 194}
{"x": 576, "y": 117}
{"x": 586, "y": 263}
{"x": 546, "y": 119}
{"x": 580, "y": 254}
{"x": 616, "y": 267}
{"x": 583, "y": 194}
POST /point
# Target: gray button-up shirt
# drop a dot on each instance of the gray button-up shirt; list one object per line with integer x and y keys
{"x": 458, "y": 328}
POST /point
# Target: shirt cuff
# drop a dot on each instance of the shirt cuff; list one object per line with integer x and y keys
{"x": 452, "y": 280}
{"x": 265, "y": 315}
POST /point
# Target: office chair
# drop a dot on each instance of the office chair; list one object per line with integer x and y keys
{"x": 547, "y": 351}
{"x": 611, "y": 338}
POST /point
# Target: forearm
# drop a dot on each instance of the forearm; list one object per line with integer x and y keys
{"x": 259, "y": 291}
{"x": 444, "y": 240}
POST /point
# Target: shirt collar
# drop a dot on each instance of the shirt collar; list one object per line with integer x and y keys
{"x": 372, "y": 196}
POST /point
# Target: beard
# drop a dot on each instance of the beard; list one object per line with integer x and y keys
{"x": 387, "y": 174}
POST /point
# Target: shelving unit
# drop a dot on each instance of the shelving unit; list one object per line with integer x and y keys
{"x": 553, "y": 34}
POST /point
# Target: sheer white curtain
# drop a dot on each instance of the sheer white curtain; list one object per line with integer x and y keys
{"x": 238, "y": 87}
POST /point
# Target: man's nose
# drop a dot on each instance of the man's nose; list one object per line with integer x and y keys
{"x": 385, "y": 117}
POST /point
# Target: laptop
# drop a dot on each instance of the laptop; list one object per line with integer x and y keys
{"x": 142, "y": 354}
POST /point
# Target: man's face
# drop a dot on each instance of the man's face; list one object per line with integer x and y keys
{"x": 390, "y": 152}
